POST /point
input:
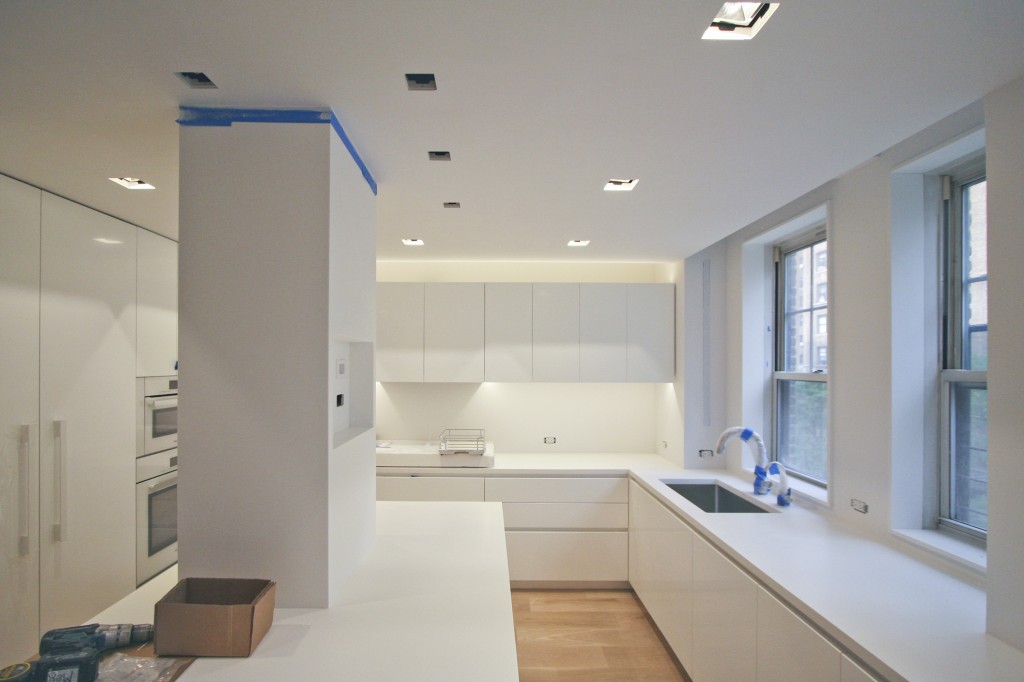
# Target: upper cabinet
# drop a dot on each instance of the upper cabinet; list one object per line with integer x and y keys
{"x": 157, "y": 297}
{"x": 453, "y": 332}
{"x": 400, "y": 331}
{"x": 558, "y": 332}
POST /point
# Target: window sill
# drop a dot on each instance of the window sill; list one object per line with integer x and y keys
{"x": 962, "y": 553}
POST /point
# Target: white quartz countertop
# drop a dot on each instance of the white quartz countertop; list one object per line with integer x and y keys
{"x": 900, "y": 615}
{"x": 430, "y": 601}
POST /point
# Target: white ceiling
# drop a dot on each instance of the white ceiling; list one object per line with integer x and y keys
{"x": 539, "y": 101}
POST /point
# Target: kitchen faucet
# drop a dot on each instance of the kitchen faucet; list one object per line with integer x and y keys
{"x": 762, "y": 467}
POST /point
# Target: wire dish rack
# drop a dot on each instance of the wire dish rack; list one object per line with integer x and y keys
{"x": 463, "y": 441}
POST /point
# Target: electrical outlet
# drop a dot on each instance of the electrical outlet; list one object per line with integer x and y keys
{"x": 706, "y": 453}
{"x": 859, "y": 505}
{"x": 549, "y": 440}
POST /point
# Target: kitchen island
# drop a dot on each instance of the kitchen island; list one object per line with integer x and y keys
{"x": 429, "y": 601}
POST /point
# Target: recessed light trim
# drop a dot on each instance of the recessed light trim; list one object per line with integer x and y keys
{"x": 420, "y": 81}
{"x": 413, "y": 242}
{"x": 579, "y": 242}
{"x": 132, "y": 183}
{"x": 439, "y": 156}
{"x": 740, "y": 20}
{"x": 619, "y": 185}
{"x": 453, "y": 204}
{"x": 197, "y": 80}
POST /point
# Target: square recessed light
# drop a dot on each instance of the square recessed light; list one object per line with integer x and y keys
{"x": 439, "y": 156}
{"x": 421, "y": 81}
{"x": 132, "y": 183}
{"x": 452, "y": 204}
{"x": 413, "y": 242}
{"x": 579, "y": 242}
{"x": 740, "y": 20}
{"x": 196, "y": 80}
{"x": 615, "y": 185}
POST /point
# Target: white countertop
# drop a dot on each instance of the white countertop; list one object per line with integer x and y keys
{"x": 902, "y": 616}
{"x": 430, "y": 601}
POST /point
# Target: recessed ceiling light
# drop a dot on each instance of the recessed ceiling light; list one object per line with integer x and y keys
{"x": 413, "y": 242}
{"x": 615, "y": 185}
{"x": 104, "y": 240}
{"x": 579, "y": 242}
{"x": 132, "y": 183}
{"x": 740, "y": 20}
{"x": 196, "y": 80}
{"x": 421, "y": 81}
{"x": 452, "y": 204}
{"x": 439, "y": 156}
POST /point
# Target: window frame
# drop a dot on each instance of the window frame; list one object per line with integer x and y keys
{"x": 952, "y": 372}
{"x": 808, "y": 238}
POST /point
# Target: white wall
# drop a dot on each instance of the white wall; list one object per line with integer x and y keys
{"x": 878, "y": 439}
{"x": 583, "y": 417}
{"x": 263, "y": 491}
{"x": 1004, "y": 127}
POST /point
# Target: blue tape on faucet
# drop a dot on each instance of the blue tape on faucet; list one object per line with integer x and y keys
{"x": 746, "y": 434}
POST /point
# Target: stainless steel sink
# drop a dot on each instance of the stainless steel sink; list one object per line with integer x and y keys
{"x": 715, "y": 498}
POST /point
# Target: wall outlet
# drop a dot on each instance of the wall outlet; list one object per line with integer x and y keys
{"x": 549, "y": 440}
{"x": 706, "y": 453}
{"x": 859, "y": 505}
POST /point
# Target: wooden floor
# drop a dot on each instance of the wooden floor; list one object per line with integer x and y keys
{"x": 592, "y": 636}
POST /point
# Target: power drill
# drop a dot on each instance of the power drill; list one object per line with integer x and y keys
{"x": 67, "y": 654}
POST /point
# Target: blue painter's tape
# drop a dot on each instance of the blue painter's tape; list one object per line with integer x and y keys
{"x": 746, "y": 434}
{"x": 214, "y": 116}
{"x": 224, "y": 117}
{"x": 336, "y": 124}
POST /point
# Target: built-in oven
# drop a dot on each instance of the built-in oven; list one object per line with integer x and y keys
{"x": 157, "y": 427}
{"x": 156, "y": 513}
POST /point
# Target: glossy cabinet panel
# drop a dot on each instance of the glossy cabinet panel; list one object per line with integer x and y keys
{"x": 453, "y": 333}
{"x": 157, "y": 297}
{"x": 400, "y": 331}
{"x": 790, "y": 650}
{"x": 568, "y": 556}
{"x": 557, "y": 490}
{"x": 651, "y": 346}
{"x": 508, "y": 332}
{"x": 556, "y": 332}
{"x": 566, "y": 515}
{"x": 430, "y": 488}
{"x": 851, "y": 671}
{"x": 604, "y": 332}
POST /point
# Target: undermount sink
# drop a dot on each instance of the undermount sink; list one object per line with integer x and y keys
{"x": 715, "y": 498}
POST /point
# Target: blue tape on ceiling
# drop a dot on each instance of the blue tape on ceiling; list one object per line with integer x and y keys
{"x": 223, "y": 117}
{"x": 336, "y": 124}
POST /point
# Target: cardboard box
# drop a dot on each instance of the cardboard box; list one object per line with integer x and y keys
{"x": 214, "y": 617}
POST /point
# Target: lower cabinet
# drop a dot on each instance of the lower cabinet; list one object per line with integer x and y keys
{"x": 558, "y": 529}
{"x": 788, "y": 648}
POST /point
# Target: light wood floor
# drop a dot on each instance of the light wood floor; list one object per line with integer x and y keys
{"x": 592, "y": 636}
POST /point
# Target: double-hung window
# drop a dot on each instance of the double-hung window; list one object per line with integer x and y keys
{"x": 800, "y": 380}
{"x": 964, "y": 438}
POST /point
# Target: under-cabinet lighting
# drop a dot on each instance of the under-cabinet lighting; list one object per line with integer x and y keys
{"x": 132, "y": 183}
{"x": 617, "y": 185}
{"x": 579, "y": 242}
{"x": 413, "y": 242}
{"x": 740, "y": 20}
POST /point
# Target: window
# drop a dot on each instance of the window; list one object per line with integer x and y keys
{"x": 801, "y": 357}
{"x": 964, "y": 384}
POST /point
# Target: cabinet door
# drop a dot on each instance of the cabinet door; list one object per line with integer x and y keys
{"x": 19, "y": 420}
{"x": 788, "y": 649}
{"x": 556, "y": 332}
{"x": 588, "y": 556}
{"x": 399, "y": 331}
{"x": 87, "y": 412}
{"x": 851, "y": 671}
{"x": 651, "y": 332}
{"x": 603, "y": 332}
{"x": 453, "y": 333}
{"x": 661, "y": 570}
{"x": 430, "y": 489}
{"x": 508, "y": 332}
{"x": 724, "y": 620}
{"x": 157, "y": 298}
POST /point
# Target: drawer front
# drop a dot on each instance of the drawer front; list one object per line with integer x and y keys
{"x": 429, "y": 489}
{"x": 566, "y": 515}
{"x": 605, "y": 490}
{"x": 584, "y": 556}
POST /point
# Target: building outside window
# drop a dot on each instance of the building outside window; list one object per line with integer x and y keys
{"x": 801, "y": 363}
{"x": 964, "y": 385}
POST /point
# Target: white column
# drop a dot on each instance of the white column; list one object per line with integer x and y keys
{"x": 276, "y": 307}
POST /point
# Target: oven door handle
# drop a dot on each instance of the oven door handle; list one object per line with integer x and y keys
{"x": 163, "y": 485}
{"x": 160, "y": 403}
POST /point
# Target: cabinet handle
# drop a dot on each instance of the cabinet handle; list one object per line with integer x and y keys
{"x": 24, "y": 440}
{"x": 60, "y": 434}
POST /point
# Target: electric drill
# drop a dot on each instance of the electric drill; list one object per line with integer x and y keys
{"x": 74, "y": 653}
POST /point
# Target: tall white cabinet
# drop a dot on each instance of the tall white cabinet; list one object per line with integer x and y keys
{"x": 68, "y": 393}
{"x": 453, "y": 332}
{"x": 157, "y": 299}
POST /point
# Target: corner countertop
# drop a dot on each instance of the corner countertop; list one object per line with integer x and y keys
{"x": 429, "y": 601}
{"x": 902, "y": 616}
